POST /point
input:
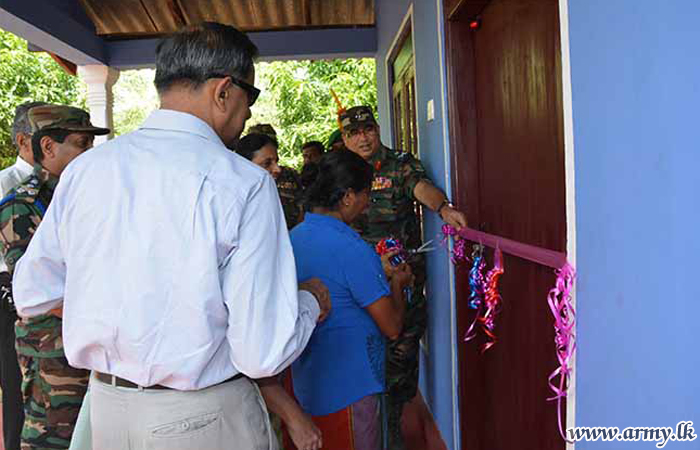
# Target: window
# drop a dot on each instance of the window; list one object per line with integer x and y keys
{"x": 403, "y": 81}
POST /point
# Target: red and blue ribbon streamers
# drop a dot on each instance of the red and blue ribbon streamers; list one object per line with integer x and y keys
{"x": 492, "y": 300}
{"x": 559, "y": 300}
{"x": 390, "y": 244}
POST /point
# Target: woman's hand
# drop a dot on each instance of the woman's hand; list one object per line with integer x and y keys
{"x": 403, "y": 276}
{"x": 304, "y": 432}
{"x": 386, "y": 265}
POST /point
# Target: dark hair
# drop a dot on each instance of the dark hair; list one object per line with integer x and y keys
{"x": 57, "y": 135}
{"x": 193, "y": 54}
{"x": 337, "y": 173}
{"x": 314, "y": 144}
{"x": 308, "y": 174}
{"x": 21, "y": 121}
{"x": 251, "y": 143}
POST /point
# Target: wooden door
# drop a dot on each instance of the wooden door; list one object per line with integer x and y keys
{"x": 504, "y": 72}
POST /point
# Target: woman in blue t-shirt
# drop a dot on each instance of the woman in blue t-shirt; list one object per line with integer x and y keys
{"x": 340, "y": 374}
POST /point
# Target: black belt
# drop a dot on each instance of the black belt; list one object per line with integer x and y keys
{"x": 121, "y": 382}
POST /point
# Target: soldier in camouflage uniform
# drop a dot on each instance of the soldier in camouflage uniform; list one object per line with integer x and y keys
{"x": 288, "y": 183}
{"x": 52, "y": 390}
{"x": 400, "y": 185}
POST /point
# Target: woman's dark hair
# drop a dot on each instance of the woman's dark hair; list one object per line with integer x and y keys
{"x": 251, "y": 143}
{"x": 337, "y": 173}
{"x": 195, "y": 53}
{"x": 58, "y": 135}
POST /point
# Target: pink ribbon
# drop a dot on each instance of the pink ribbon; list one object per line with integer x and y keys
{"x": 538, "y": 255}
{"x": 559, "y": 300}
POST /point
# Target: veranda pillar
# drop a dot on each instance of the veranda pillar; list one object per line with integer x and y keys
{"x": 99, "y": 80}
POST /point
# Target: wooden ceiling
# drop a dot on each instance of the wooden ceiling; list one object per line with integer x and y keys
{"x": 122, "y": 19}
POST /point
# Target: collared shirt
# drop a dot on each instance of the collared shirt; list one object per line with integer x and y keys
{"x": 172, "y": 261}
{"x": 344, "y": 360}
{"x": 9, "y": 178}
{"x": 21, "y": 212}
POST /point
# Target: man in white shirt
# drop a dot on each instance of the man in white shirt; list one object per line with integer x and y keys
{"x": 10, "y": 375}
{"x": 171, "y": 258}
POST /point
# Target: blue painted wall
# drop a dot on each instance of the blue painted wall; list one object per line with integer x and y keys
{"x": 636, "y": 93}
{"x": 436, "y": 373}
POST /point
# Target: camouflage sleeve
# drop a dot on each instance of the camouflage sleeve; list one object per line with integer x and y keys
{"x": 17, "y": 226}
{"x": 413, "y": 173}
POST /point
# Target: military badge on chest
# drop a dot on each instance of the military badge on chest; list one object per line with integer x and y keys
{"x": 380, "y": 183}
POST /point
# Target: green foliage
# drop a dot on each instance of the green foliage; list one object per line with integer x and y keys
{"x": 27, "y": 76}
{"x": 297, "y": 101}
{"x": 296, "y": 96}
{"x": 135, "y": 97}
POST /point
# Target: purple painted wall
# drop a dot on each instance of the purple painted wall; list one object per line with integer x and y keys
{"x": 636, "y": 91}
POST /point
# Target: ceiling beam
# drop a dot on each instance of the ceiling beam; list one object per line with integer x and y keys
{"x": 273, "y": 45}
{"x": 46, "y": 25}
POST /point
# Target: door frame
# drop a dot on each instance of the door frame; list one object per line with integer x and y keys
{"x": 452, "y": 185}
{"x": 406, "y": 23}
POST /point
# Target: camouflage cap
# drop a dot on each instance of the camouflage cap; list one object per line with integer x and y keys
{"x": 356, "y": 116}
{"x": 62, "y": 117}
{"x": 263, "y": 128}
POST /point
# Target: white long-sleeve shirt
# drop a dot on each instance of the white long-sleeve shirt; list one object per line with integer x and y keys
{"x": 172, "y": 260}
{"x": 10, "y": 177}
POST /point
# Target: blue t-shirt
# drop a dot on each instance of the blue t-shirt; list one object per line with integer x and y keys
{"x": 344, "y": 360}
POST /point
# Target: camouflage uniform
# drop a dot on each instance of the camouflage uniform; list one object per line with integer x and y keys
{"x": 290, "y": 191}
{"x": 52, "y": 390}
{"x": 288, "y": 183}
{"x": 393, "y": 212}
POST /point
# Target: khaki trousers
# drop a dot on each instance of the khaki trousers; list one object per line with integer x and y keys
{"x": 229, "y": 416}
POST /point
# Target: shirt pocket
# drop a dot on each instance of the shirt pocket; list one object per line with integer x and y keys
{"x": 383, "y": 208}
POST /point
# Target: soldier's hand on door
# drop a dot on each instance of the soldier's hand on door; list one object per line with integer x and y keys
{"x": 453, "y": 217}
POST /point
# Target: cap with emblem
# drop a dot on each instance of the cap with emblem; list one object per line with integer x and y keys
{"x": 62, "y": 117}
{"x": 263, "y": 128}
{"x": 356, "y": 116}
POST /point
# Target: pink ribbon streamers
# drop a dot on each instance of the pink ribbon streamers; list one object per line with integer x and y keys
{"x": 459, "y": 249}
{"x": 559, "y": 300}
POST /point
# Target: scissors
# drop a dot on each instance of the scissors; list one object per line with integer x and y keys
{"x": 425, "y": 248}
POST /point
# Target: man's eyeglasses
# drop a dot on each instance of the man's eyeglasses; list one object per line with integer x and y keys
{"x": 251, "y": 90}
{"x": 366, "y": 130}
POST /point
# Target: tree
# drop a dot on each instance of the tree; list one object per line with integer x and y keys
{"x": 295, "y": 97}
{"x": 297, "y": 101}
{"x": 29, "y": 76}
{"x": 135, "y": 97}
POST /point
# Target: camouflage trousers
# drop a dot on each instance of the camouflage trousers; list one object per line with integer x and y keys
{"x": 403, "y": 356}
{"x": 53, "y": 393}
